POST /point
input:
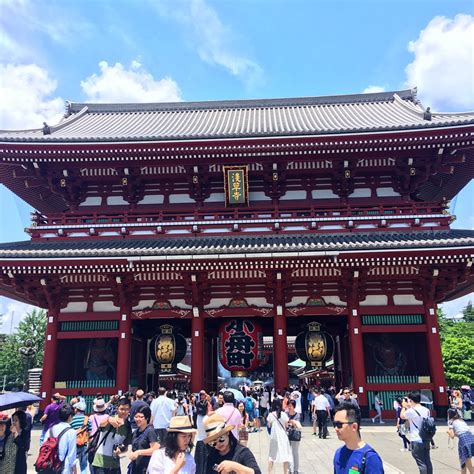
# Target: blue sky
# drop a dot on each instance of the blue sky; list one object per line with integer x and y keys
{"x": 162, "y": 50}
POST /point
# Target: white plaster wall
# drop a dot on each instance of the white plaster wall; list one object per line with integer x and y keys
{"x": 104, "y": 306}
{"x": 180, "y": 198}
{"x": 386, "y": 192}
{"x": 360, "y": 193}
{"x": 91, "y": 201}
{"x": 258, "y": 302}
{"x": 293, "y": 195}
{"x": 323, "y": 194}
{"x": 75, "y": 307}
{"x": 258, "y": 196}
{"x": 375, "y": 300}
{"x": 116, "y": 201}
{"x": 216, "y": 197}
{"x": 296, "y": 300}
{"x": 143, "y": 304}
{"x": 152, "y": 199}
{"x": 334, "y": 300}
{"x": 180, "y": 304}
{"x": 218, "y": 302}
{"x": 403, "y": 300}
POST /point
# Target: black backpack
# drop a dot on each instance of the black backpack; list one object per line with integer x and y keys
{"x": 427, "y": 429}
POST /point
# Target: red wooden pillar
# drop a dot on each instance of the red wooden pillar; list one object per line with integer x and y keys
{"x": 124, "y": 347}
{"x": 197, "y": 353}
{"x": 280, "y": 348}
{"x": 356, "y": 342}
{"x": 435, "y": 358}
{"x": 50, "y": 354}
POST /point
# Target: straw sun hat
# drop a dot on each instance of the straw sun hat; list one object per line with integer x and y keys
{"x": 181, "y": 424}
{"x": 215, "y": 427}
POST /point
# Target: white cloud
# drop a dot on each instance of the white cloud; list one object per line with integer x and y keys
{"x": 135, "y": 84}
{"x": 372, "y": 89}
{"x": 215, "y": 42}
{"x": 443, "y": 67}
{"x": 11, "y": 313}
{"x": 26, "y": 97}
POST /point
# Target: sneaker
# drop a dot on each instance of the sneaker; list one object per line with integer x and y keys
{"x": 382, "y": 422}
{"x": 373, "y": 420}
{"x": 403, "y": 449}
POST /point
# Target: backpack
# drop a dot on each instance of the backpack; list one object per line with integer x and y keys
{"x": 82, "y": 434}
{"x": 427, "y": 429}
{"x": 48, "y": 461}
{"x": 249, "y": 404}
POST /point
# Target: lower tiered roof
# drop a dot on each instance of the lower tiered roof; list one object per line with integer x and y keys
{"x": 238, "y": 245}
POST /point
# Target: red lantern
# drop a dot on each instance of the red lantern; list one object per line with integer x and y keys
{"x": 241, "y": 346}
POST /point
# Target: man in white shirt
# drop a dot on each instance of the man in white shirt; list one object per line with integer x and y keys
{"x": 162, "y": 409}
{"x": 321, "y": 408}
{"x": 415, "y": 413}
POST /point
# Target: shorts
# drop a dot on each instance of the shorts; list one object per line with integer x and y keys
{"x": 256, "y": 413}
{"x": 250, "y": 415}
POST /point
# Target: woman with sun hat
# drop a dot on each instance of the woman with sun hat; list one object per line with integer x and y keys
{"x": 174, "y": 457}
{"x": 225, "y": 453}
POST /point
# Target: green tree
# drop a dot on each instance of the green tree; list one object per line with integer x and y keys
{"x": 32, "y": 327}
{"x": 457, "y": 346}
{"x": 468, "y": 313}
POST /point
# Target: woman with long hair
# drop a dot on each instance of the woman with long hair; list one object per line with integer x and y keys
{"x": 280, "y": 450}
{"x": 243, "y": 428}
{"x": 7, "y": 446}
{"x": 21, "y": 438}
{"x": 459, "y": 428}
{"x": 174, "y": 457}
{"x": 144, "y": 441}
{"x": 225, "y": 453}
{"x": 402, "y": 426}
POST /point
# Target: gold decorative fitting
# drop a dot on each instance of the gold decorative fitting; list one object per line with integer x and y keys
{"x": 195, "y": 179}
{"x": 275, "y": 176}
{"x": 124, "y": 181}
{"x": 62, "y": 182}
{"x": 347, "y": 173}
{"x": 412, "y": 171}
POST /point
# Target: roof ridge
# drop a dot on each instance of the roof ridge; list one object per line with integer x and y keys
{"x": 408, "y": 94}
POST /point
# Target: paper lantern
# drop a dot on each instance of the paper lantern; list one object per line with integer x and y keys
{"x": 240, "y": 346}
{"x": 167, "y": 349}
{"x": 314, "y": 346}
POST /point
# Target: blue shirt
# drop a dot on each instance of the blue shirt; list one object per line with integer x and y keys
{"x": 67, "y": 445}
{"x": 345, "y": 459}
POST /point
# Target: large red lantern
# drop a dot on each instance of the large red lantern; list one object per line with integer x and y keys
{"x": 240, "y": 346}
{"x": 314, "y": 346}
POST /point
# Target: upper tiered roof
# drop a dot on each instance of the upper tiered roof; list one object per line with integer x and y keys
{"x": 382, "y": 111}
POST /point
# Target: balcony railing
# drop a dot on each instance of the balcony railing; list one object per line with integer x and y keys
{"x": 398, "y": 379}
{"x": 391, "y": 319}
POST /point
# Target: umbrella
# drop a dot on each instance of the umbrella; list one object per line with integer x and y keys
{"x": 237, "y": 393}
{"x": 17, "y": 399}
{"x": 465, "y": 387}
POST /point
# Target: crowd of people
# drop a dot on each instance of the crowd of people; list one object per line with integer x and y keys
{"x": 169, "y": 432}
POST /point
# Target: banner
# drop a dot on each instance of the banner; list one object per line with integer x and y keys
{"x": 236, "y": 185}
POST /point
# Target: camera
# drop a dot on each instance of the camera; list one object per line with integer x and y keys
{"x": 121, "y": 447}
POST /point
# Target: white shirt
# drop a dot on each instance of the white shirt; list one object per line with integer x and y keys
{"x": 162, "y": 464}
{"x": 162, "y": 409}
{"x": 321, "y": 403}
{"x": 416, "y": 419}
{"x": 264, "y": 400}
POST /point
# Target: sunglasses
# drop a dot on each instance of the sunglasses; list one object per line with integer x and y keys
{"x": 340, "y": 424}
{"x": 218, "y": 440}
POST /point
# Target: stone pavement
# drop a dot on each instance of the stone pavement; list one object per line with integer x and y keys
{"x": 316, "y": 454}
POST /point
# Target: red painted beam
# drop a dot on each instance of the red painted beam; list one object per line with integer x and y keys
{"x": 87, "y": 334}
{"x": 394, "y": 328}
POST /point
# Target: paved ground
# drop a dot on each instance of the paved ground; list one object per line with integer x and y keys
{"x": 316, "y": 454}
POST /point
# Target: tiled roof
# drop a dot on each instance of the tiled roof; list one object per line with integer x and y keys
{"x": 237, "y": 119}
{"x": 271, "y": 244}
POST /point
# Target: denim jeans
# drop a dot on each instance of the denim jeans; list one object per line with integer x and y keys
{"x": 421, "y": 454}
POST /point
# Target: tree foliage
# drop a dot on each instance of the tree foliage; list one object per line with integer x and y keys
{"x": 32, "y": 327}
{"x": 468, "y": 313}
{"x": 457, "y": 346}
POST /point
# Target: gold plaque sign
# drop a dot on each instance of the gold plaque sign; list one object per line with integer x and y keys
{"x": 236, "y": 185}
